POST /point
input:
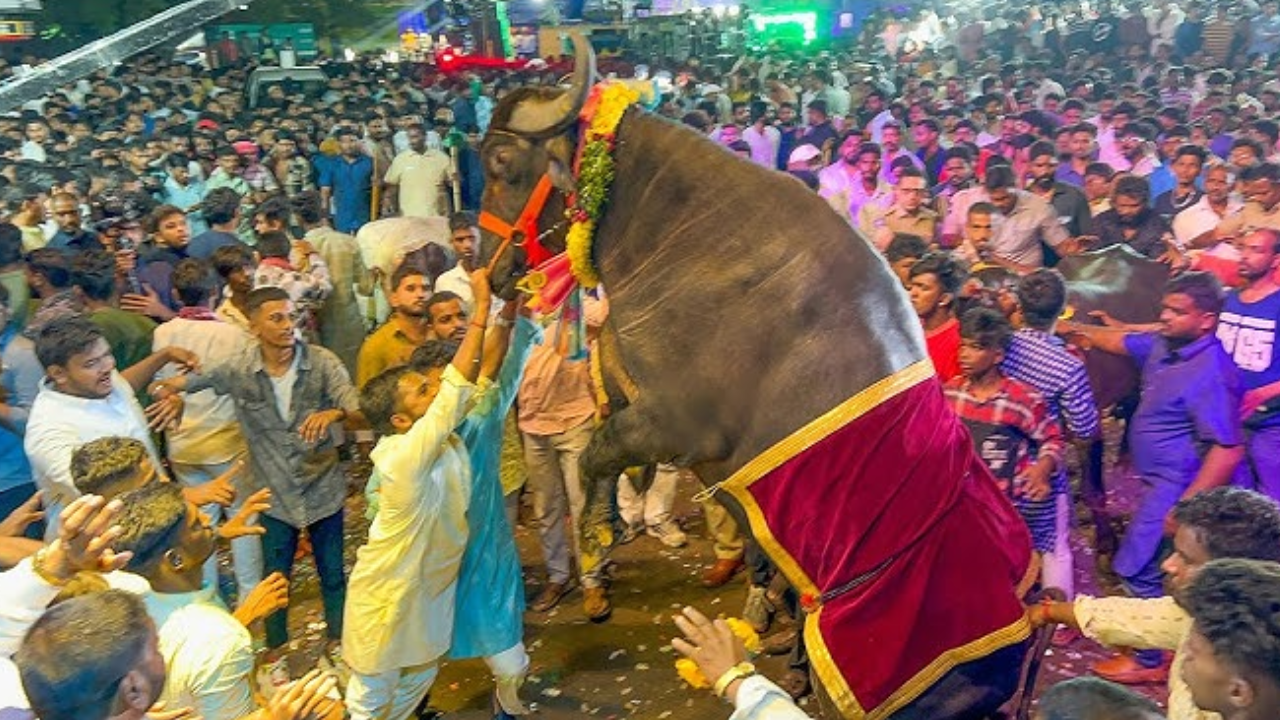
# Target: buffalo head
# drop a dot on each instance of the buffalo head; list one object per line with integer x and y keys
{"x": 533, "y": 133}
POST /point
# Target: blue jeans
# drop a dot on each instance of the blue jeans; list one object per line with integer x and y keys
{"x": 1262, "y": 464}
{"x": 1144, "y": 545}
{"x": 279, "y": 545}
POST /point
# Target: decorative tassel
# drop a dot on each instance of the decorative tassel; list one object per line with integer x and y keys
{"x": 550, "y": 284}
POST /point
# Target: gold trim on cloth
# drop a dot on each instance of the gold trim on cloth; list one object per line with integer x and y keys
{"x": 799, "y": 441}
{"x": 837, "y": 688}
{"x": 824, "y": 665}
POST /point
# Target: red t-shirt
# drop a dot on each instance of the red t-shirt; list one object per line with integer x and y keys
{"x": 944, "y": 349}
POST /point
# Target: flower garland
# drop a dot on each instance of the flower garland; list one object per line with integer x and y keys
{"x": 689, "y": 671}
{"x": 595, "y": 172}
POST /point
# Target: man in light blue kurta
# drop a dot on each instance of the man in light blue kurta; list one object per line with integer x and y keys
{"x": 488, "y": 621}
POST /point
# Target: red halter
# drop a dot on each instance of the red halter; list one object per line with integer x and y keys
{"x": 525, "y": 226}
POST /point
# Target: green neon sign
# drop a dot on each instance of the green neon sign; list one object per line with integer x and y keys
{"x": 808, "y": 21}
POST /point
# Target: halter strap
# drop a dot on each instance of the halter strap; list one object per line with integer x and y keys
{"x": 525, "y": 226}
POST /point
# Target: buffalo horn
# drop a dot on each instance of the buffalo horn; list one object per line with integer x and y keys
{"x": 553, "y": 117}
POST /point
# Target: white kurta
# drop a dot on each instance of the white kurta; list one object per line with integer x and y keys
{"x": 400, "y": 598}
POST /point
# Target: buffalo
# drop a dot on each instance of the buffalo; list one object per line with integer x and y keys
{"x": 754, "y": 337}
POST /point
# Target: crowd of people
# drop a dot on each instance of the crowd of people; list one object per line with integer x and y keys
{"x": 193, "y": 351}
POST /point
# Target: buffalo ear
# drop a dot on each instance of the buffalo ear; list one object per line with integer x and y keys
{"x": 561, "y": 176}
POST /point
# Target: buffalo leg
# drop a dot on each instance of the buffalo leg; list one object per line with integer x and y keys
{"x": 627, "y": 438}
{"x": 1093, "y": 490}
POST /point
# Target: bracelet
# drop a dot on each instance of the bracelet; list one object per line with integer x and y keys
{"x": 1045, "y": 604}
{"x": 503, "y": 322}
{"x": 737, "y": 672}
{"x": 37, "y": 566}
{"x": 475, "y": 324}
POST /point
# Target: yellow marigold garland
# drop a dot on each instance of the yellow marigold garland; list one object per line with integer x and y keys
{"x": 688, "y": 669}
{"x": 595, "y": 176}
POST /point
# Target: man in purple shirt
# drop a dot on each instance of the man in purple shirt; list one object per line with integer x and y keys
{"x": 1247, "y": 329}
{"x": 1186, "y": 434}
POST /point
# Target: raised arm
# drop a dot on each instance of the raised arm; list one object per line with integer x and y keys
{"x": 1106, "y": 339}
{"x": 467, "y": 360}
{"x": 145, "y": 370}
{"x": 498, "y": 340}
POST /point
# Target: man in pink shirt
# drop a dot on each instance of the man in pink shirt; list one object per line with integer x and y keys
{"x": 557, "y": 417}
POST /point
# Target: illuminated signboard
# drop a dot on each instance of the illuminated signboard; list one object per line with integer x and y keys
{"x": 15, "y": 30}
{"x": 805, "y": 22}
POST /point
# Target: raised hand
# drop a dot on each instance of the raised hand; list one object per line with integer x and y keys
{"x": 21, "y": 518}
{"x": 241, "y": 524}
{"x": 266, "y": 597}
{"x": 84, "y": 539}
{"x": 165, "y": 413}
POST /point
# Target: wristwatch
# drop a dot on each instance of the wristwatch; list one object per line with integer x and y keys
{"x": 503, "y": 322}
{"x": 740, "y": 671}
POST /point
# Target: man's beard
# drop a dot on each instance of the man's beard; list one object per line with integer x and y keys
{"x": 1042, "y": 183}
{"x": 1132, "y": 221}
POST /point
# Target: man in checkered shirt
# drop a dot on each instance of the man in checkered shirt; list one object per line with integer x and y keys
{"x": 1040, "y": 359}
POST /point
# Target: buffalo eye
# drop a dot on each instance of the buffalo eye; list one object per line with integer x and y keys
{"x": 499, "y": 162}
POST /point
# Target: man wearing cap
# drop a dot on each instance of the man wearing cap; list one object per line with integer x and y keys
{"x": 724, "y": 106}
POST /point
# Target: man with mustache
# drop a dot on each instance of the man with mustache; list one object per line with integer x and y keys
{"x": 1186, "y": 433}
{"x": 1132, "y": 222}
{"x": 407, "y": 329}
{"x": 1069, "y": 202}
{"x": 84, "y": 398}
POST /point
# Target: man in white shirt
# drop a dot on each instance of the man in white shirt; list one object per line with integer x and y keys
{"x": 1024, "y": 221}
{"x": 417, "y": 178}
{"x": 408, "y": 568}
{"x": 83, "y": 398}
{"x": 207, "y": 442}
{"x": 764, "y": 139}
{"x": 464, "y": 237}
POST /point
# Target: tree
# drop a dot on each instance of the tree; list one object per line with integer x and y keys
{"x": 92, "y": 19}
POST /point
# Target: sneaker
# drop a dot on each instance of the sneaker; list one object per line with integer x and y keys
{"x": 669, "y": 533}
{"x": 331, "y": 661}
{"x": 273, "y": 675}
{"x": 758, "y": 611}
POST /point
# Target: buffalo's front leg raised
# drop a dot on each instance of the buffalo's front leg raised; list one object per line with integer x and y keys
{"x": 632, "y": 436}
